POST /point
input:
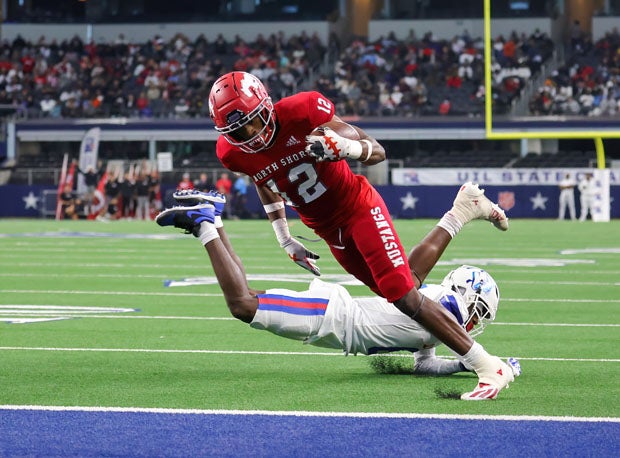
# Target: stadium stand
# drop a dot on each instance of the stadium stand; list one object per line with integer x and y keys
{"x": 73, "y": 79}
{"x": 391, "y": 77}
{"x": 587, "y": 84}
{"x": 170, "y": 79}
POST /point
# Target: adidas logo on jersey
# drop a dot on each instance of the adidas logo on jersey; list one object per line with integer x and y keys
{"x": 292, "y": 141}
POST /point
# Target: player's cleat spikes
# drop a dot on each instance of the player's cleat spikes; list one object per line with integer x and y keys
{"x": 194, "y": 197}
{"x": 471, "y": 203}
{"x": 188, "y": 218}
{"x": 491, "y": 380}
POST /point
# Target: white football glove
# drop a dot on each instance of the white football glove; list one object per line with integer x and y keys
{"x": 301, "y": 256}
{"x": 332, "y": 147}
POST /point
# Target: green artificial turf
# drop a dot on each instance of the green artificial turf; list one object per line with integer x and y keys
{"x": 559, "y": 313}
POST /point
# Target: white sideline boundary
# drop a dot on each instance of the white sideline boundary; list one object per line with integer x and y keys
{"x": 219, "y": 294}
{"x": 272, "y": 353}
{"x": 301, "y": 413}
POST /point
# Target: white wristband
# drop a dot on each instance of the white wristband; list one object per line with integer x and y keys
{"x": 280, "y": 227}
{"x": 269, "y": 208}
{"x": 369, "y": 143}
{"x": 353, "y": 148}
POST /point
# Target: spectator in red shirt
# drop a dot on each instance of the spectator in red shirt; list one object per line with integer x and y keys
{"x": 27, "y": 63}
{"x": 454, "y": 81}
{"x": 444, "y": 107}
{"x": 186, "y": 182}
{"x": 223, "y": 185}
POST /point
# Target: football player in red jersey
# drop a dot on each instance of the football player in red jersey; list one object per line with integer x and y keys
{"x": 293, "y": 151}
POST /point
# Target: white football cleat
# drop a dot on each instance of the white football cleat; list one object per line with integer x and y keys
{"x": 492, "y": 380}
{"x": 470, "y": 203}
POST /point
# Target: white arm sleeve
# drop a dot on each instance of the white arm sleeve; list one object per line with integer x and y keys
{"x": 426, "y": 363}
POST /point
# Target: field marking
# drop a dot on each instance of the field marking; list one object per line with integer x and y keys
{"x": 67, "y": 276}
{"x": 576, "y": 301}
{"x": 569, "y": 325}
{"x": 591, "y": 251}
{"x": 4, "y": 310}
{"x": 300, "y": 278}
{"x": 206, "y": 267}
{"x": 269, "y": 353}
{"x": 108, "y": 293}
{"x": 13, "y": 265}
{"x": 202, "y": 294}
{"x": 112, "y": 317}
{"x": 94, "y": 235}
{"x": 494, "y": 262}
{"x": 305, "y": 413}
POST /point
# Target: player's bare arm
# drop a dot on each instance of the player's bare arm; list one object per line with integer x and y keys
{"x": 272, "y": 203}
{"x": 378, "y": 152}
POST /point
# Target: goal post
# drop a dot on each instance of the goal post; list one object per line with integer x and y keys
{"x": 530, "y": 132}
{"x": 601, "y": 210}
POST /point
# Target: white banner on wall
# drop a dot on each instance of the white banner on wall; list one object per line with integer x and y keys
{"x": 164, "y": 162}
{"x": 600, "y": 208}
{"x": 491, "y": 177}
{"x": 89, "y": 153}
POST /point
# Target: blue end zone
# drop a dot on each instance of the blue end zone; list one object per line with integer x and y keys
{"x": 86, "y": 434}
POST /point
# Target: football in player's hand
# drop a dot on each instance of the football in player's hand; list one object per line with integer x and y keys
{"x": 342, "y": 129}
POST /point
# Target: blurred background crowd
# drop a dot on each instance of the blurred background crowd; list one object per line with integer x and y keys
{"x": 415, "y": 76}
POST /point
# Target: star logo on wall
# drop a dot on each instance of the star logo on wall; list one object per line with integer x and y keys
{"x": 409, "y": 201}
{"x": 538, "y": 201}
{"x": 31, "y": 201}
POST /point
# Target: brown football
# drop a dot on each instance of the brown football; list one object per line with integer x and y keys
{"x": 342, "y": 129}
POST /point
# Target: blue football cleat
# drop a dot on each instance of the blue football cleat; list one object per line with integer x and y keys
{"x": 515, "y": 366}
{"x": 188, "y": 218}
{"x": 194, "y": 197}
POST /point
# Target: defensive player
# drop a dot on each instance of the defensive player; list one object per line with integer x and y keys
{"x": 326, "y": 315}
{"x": 294, "y": 151}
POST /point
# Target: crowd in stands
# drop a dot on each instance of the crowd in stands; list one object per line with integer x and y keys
{"x": 388, "y": 77}
{"x": 111, "y": 193}
{"x": 430, "y": 76}
{"x": 133, "y": 191}
{"x": 587, "y": 84}
{"x": 155, "y": 79}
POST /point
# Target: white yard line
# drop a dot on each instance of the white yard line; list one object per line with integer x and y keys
{"x": 264, "y": 353}
{"x": 302, "y": 413}
{"x": 175, "y": 294}
{"x": 106, "y": 293}
{"x": 302, "y": 279}
{"x": 70, "y": 314}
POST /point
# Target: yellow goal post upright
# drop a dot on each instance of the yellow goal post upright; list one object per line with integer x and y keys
{"x": 524, "y": 133}
{"x": 515, "y": 134}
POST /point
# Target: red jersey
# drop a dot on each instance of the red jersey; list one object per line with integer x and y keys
{"x": 342, "y": 207}
{"x": 324, "y": 194}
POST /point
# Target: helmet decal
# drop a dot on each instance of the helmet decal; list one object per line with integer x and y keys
{"x": 249, "y": 82}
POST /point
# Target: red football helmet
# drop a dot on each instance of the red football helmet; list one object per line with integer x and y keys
{"x": 236, "y": 99}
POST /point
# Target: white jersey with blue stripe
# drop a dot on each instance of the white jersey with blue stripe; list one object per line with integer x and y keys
{"x": 327, "y": 316}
